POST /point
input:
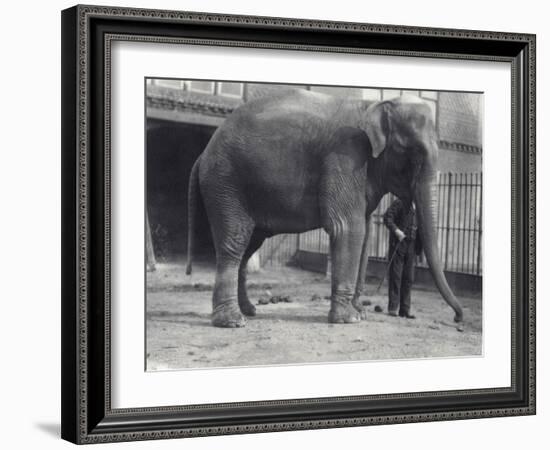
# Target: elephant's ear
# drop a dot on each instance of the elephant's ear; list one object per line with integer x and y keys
{"x": 353, "y": 142}
{"x": 378, "y": 126}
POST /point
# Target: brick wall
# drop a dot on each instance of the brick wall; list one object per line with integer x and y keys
{"x": 459, "y": 118}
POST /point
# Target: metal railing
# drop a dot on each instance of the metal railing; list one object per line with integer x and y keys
{"x": 278, "y": 250}
{"x": 459, "y": 229}
{"x": 459, "y": 224}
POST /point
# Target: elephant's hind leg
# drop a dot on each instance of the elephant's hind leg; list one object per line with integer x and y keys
{"x": 246, "y": 306}
{"x": 231, "y": 237}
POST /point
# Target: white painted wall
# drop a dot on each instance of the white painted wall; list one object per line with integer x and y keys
{"x": 30, "y": 190}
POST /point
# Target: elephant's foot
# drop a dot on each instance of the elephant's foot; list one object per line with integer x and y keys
{"x": 247, "y": 308}
{"x": 228, "y": 315}
{"x": 359, "y": 307}
{"x": 343, "y": 313}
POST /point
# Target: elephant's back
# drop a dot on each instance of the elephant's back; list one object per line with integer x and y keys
{"x": 288, "y": 122}
{"x": 295, "y": 109}
{"x": 284, "y": 125}
{"x": 268, "y": 150}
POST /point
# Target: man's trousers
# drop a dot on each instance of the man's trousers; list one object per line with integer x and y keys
{"x": 401, "y": 277}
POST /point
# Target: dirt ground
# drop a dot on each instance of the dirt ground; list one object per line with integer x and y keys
{"x": 179, "y": 333}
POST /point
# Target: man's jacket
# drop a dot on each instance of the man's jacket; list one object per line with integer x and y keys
{"x": 396, "y": 216}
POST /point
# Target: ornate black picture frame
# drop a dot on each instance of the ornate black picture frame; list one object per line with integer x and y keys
{"x": 87, "y": 34}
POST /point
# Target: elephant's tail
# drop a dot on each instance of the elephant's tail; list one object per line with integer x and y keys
{"x": 192, "y": 203}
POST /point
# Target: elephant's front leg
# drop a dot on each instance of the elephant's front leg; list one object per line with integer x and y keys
{"x": 346, "y": 249}
{"x": 360, "y": 284}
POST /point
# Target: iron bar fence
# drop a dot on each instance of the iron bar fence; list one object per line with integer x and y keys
{"x": 459, "y": 229}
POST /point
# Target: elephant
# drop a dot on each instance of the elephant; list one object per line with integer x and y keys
{"x": 301, "y": 160}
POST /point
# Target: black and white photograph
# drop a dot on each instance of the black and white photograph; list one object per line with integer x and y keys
{"x": 297, "y": 224}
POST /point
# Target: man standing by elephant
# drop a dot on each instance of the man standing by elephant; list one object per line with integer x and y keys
{"x": 403, "y": 247}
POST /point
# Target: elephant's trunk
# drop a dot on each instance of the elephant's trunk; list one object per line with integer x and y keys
{"x": 426, "y": 206}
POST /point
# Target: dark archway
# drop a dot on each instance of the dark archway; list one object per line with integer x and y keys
{"x": 172, "y": 149}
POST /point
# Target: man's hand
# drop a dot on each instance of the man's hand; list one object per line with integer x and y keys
{"x": 400, "y": 235}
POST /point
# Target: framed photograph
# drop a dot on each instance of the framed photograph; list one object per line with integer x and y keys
{"x": 280, "y": 224}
